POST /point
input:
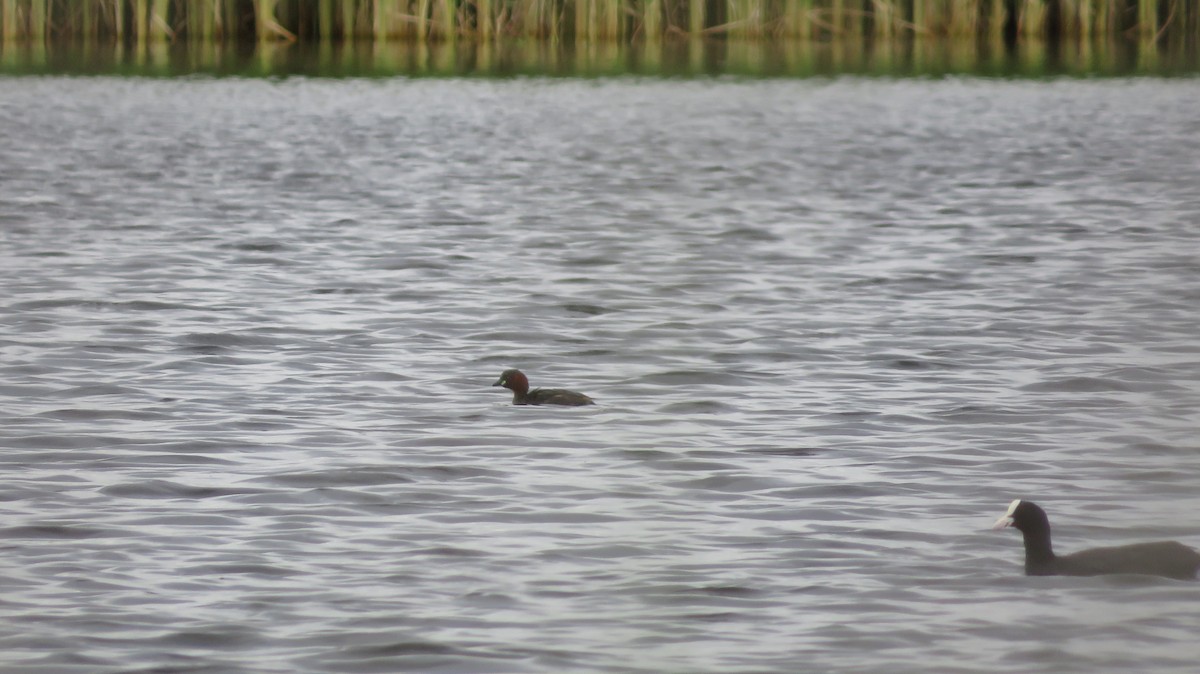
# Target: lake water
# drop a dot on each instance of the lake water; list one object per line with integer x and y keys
{"x": 833, "y": 325}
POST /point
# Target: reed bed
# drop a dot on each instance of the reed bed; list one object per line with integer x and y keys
{"x": 591, "y": 20}
{"x": 683, "y": 57}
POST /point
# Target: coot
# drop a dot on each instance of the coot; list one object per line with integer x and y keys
{"x": 1167, "y": 558}
{"x": 518, "y": 383}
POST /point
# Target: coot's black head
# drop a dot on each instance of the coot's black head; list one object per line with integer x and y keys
{"x": 514, "y": 380}
{"x": 1030, "y": 520}
{"x": 1024, "y": 516}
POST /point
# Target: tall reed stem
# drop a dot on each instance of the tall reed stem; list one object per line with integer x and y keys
{"x": 8, "y": 14}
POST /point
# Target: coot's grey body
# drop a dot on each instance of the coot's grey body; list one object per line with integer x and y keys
{"x": 1166, "y": 558}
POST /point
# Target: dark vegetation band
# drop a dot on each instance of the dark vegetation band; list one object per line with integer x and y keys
{"x": 592, "y": 20}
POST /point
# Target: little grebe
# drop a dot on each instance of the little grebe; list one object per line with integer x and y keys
{"x": 518, "y": 383}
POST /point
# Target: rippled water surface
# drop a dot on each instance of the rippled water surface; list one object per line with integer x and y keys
{"x": 833, "y": 327}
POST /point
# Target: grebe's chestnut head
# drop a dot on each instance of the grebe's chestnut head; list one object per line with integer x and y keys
{"x": 514, "y": 380}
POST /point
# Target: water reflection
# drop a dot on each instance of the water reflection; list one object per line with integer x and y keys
{"x": 677, "y": 58}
